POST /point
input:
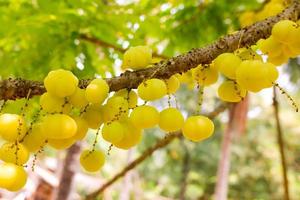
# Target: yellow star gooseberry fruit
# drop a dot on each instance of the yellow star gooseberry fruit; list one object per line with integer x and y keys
{"x": 197, "y": 128}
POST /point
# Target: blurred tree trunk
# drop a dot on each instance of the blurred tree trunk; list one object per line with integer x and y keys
{"x": 67, "y": 173}
{"x": 240, "y": 116}
{"x": 236, "y": 125}
{"x": 44, "y": 191}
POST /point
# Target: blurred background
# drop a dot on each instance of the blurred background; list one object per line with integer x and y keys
{"x": 89, "y": 38}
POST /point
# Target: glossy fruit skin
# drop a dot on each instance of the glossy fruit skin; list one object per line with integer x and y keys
{"x": 59, "y": 126}
{"x": 284, "y": 42}
{"x": 137, "y": 57}
{"x": 170, "y": 120}
{"x": 12, "y": 177}
{"x": 197, "y": 128}
{"x": 92, "y": 161}
{"x": 82, "y": 128}
{"x": 295, "y": 40}
{"x": 8, "y": 153}
{"x": 97, "y": 91}
{"x": 290, "y": 50}
{"x": 247, "y": 54}
{"x": 93, "y": 116}
{"x": 152, "y": 89}
{"x": 130, "y": 96}
{"x": 231, "y": 92}
{"x": 250, "y": 76}
{"x": 132, "y": 136}
{"x": 36, "y": 138}
{"x": 61, "y": 143}
{"x": 205, "y": 76}
{"x": 172, "y": 84}
{"x": 283, "y": 31}
{"x": 270, "y": 46}
{"x": 53, "y": 104}
{"x": 78, "y": 99}
{"x": 278, "y": 60}
{"x": 113, "y": 132}
{"x": 7, "y": 174}
{"x": 227, "y": 64}
{"x": 12, "y": 127}
{"x": 144, "y": 117}
{"x": 116, "y": 108}
{"x": 61, "y": 83}
{"x": 256, "y": 75}
{"x": 271, "y": 74}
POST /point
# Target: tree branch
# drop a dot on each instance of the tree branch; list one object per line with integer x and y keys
{"x": 131, "y": 79}
{"x": 160, "y": 144}
{"x": 281, "y": 146}
{"x": 11, "y": 89}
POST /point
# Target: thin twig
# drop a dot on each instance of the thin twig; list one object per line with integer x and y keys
{"x": 133, "y": 164}
{"x": 280, "y": 141}
{"x": 184, "y": 171}
{"x": 102, "y": 43}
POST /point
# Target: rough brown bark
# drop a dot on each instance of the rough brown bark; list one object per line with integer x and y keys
{"x": 65, "y": 182}
{"x": 9, "y": 89}
{"x": 160, "y": 144}
{"x": 280, "y": 141}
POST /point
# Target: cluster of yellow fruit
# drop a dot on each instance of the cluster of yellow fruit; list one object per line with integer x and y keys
{"x": 284, "y": 42}
{"x": 130, "y": 57}
{"x": 195, "y": 128}
{"x": 271, "y": 8}
{"x": 244, "y": 70}
{"x": 13, "y": 154}
{"x": 67, "y": 112}
{"x": 244, "y": 75}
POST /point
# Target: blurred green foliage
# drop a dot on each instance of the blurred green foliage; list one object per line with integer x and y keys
{"x": 41, "y": 35}
{"x": 38, "y": 36}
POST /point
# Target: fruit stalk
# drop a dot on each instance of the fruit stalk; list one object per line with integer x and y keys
{"x": 280, "y": 141}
